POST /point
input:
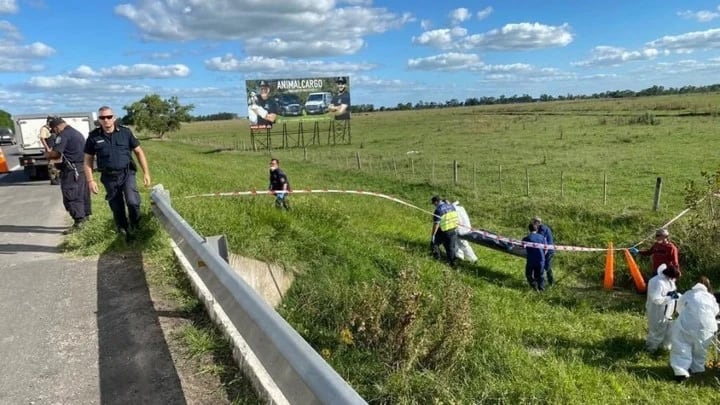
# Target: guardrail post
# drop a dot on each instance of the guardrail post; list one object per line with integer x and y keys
{"x": 219, "y": 245}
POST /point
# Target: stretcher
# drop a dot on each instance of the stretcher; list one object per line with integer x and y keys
{"x": 493, "y": 241}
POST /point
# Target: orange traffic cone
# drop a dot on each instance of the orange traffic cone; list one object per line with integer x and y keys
{"x": 609, "y": 279}
{"x": 635, "y": 272}
{"x": 3, "y": 163}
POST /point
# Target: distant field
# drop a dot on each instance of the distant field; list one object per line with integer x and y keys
{"x": 591, "y": 168}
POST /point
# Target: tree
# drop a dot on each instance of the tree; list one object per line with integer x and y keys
{"x": 157, "y": 115}
{"x": 5, "y": 119}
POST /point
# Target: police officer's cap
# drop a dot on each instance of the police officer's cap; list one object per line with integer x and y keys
{"x": 341, "y": 80}
{"x": 264, "y": 83}
{"x": 435, "y": 198}
{"x": 55, "y": 121}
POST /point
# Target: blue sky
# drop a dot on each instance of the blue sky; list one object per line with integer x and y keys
{"x": 75, "y": 55}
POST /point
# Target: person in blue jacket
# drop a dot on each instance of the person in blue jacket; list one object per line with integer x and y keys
{"x": 545, "y": 231}
{"x": 534, "y": 267}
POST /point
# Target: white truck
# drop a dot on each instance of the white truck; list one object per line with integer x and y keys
{"x": 27, "y": 130}
{"x": 318, "y": 103}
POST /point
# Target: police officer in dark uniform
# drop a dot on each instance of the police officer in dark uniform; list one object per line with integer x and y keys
{"x": 111, "y": 144}
{"x": 68, "y": 146}
{"x": 279, "y": 184}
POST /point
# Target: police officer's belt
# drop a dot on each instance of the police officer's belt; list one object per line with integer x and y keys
{"x": 112, "y": 172}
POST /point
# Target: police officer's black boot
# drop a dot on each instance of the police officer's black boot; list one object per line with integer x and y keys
{"x": 75, "y": 226}
{"x": 125, "y": 234}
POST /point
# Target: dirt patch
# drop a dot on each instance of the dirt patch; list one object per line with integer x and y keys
{"x": 211, "y": 378}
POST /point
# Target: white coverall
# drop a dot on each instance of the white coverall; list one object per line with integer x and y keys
{"x": 693, "y": 331}
{"x": 464, "y": 250}
{"x": 660, "y": 308}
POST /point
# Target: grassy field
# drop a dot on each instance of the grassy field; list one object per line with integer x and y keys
{"x": 403, "y": 328}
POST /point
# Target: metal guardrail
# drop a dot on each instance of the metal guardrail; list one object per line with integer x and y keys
{"x": 296, "y": 370}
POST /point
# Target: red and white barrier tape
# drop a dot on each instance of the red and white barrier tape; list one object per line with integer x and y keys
{"x": 484, "y": 233}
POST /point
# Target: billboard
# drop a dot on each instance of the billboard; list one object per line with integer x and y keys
{"x": 272, "y": 101}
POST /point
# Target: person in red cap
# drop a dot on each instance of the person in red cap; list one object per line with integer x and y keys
{"x": 663, "y": 251}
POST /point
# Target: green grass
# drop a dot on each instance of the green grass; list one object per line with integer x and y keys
{"x": 402, "y": 328}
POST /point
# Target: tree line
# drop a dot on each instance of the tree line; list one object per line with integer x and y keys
{"x": 161, "y": 116}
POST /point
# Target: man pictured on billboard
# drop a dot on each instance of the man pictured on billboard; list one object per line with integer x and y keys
{"x": 262, "y": 108}
{"x": 340, "y": 104}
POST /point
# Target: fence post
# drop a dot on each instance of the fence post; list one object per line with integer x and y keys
{"x": 500, "y": 178}
{"x": 412, "y": 166}
{"x": 455, "y": 172}
{"x": 395, "y": 167}
{"x": 658, "y": 191}
{"x": 604, "y": 188}
{"x": 562, "y": 184}
{"x": 527, "y": 182}
{"x": 357, "y": 159}
{"x": 305, "y": 154}
{"x": 474, "y": 177}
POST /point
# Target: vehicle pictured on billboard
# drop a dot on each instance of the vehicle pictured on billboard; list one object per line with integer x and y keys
{"x": 272, "y": 101}
{"x": 318, "y": 103}
{"x": 290, "y": 105}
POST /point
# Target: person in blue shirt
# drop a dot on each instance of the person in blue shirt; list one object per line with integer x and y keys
{"x": 444, "y": 229}
{"x": 545, "y": 231}
{"x": 534, "y": 267}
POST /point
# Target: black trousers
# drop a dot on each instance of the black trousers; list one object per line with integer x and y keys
{"x": 121, "y": 190}
{"x": 75, "y": 193}
{"x": 449, "y": 240}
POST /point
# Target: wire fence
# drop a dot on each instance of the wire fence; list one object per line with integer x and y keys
{"x": 485, "y": 179}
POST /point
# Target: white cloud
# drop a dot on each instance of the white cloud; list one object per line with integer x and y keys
{"x": 259, "y": 65}
{"x": 459, "y": 15}
{"x": 688, "y": 42}
{"x": 9, "y": 32}
{"x": 288, "y": 25}
{"x": 17, "y": 57}
{"x": 447, "y": 61}
{"x": 700, "y": 16}
{"x": 59, "y": 82}
{"x": 612, "y": 56}
{"x": 137, "y": 71}
{"x": 444, "y": 38}
{"x": 520, "y": 36}
{"x": 687, "y": 66}
{"x": 8, "y": 6}
{"x": 425, "y": 24}
{"x": 484, "y": 13}
{"x": 512, "y": 72}
{"x": 278, "y": 47}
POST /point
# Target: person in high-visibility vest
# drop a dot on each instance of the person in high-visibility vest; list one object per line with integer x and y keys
{"x": 444, "y": 229}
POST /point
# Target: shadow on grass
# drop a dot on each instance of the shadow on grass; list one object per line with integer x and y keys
{"x": 664, "y": 373}
{"x": 216, "y": 150}
{"x": 598, "y": 300}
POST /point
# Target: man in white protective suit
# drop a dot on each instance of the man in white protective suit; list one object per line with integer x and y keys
{"x": 693, "y": 331}
{"x": 660, "y": 306}
{"x": 464, "y": 251}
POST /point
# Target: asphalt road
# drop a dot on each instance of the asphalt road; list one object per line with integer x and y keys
{"x": 73, "y": 331}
